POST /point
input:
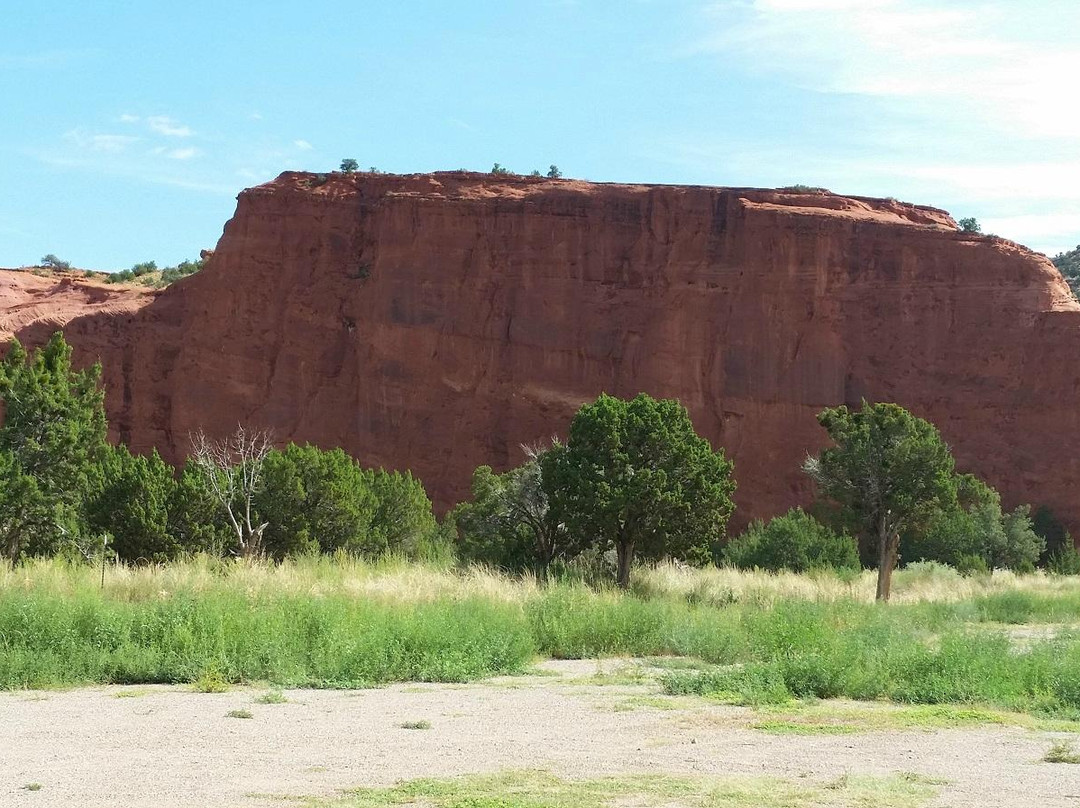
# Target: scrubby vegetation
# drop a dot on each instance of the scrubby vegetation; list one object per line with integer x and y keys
{"x": 65, "y": 491}
{"x": 795, "y": 541}
{"x": 298, "y": 566}
{"x": 148, "y": 274}
{"x": 342, "y": 621}
{"x": 1068, "y": 263}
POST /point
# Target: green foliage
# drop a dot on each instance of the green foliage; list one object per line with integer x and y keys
{"x": 403, "y": 520}
{"x": 1052, "y": 531}
{"x": 51, "y": 441}
{"x": 197, "y": 522}
{"x": 795, "y": 541}
{"x": 144, "y": 268}
{"x": 1068, "y": 263}
{"x": 500, "y": 170}
{"x": 970, "y": 225}
{"x": 132, "y": 505}
{"x": 1021, "y": 547}
{"x": 348, "y": 166}
{"x": 314, "y": 500}
{"x": 508, "y": 524}
{"x": 50, "y": 261}
{"x": 635, "y": 476}
{"x": 888, "y": 473}
{"x": 974, "y": 535}
{"x": 228, "y": 635}
{"x": 218, "y": 623}
{"x": 554, "y": 173}
{"x": 1064, "y": 561}
{"x": 147, "y": 273}
{"x": 323, "y": 501}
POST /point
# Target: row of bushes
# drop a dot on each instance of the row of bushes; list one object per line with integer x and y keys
{"x": 65, "y": 490}
{"x": 141, "y": 271}
{"x": 633, "y": 480}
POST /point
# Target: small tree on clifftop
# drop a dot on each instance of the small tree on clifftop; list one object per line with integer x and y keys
{"x": 348, "y": 166}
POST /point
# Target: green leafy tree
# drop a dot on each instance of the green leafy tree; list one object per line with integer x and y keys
{"x": 500, "y": 170}
{"x": 313, "y": 500}
{"x": 403, "y": 520}
{"x": 50, "y": 261}
{"x": 974, "y": 527}
{"x": 554, "y": 173}
{"x": 51, "y": 442}
{"x": 635, "y": 476}
{"x": 970, "y": 225}
{"x": 133, "y": 504}
{"x": 888, "y": 473}
{"x": 795, "y": 541}
{"x": 509, "y": 523}
{"x": 348, "y": 166}
{"x": 1021, "y": 547}
{"x": 197, "y": 522}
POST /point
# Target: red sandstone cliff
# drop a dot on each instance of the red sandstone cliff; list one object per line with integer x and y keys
{"x": 436, "y": 322}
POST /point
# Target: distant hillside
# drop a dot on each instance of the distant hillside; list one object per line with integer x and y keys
{"x": 1068, "y": 263}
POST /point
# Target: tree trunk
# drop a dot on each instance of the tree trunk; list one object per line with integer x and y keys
{"x": 625, "y": 551}
{"x": 888, "y": 544}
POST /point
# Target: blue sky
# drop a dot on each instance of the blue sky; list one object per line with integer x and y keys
{"x": 128, "y": 128}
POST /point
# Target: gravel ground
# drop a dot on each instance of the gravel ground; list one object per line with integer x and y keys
{"x": 149, "y": 747}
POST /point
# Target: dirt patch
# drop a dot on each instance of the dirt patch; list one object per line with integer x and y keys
{"x": 169, "y": 746}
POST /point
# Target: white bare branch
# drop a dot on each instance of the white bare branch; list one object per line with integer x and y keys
{"x": 233, "y": 469}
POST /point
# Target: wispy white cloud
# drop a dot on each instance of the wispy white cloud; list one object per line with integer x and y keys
{"x": 99, "y": 142}
{"x": 164, "y": 125}
{"x": 966, "y": 104}
{"x": 183, "y": 154}
{"x": 303, "y": 145}
{"x": 1009, "y": 65}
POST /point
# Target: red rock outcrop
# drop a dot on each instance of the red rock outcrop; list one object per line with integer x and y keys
{"x": 436, "y": 322}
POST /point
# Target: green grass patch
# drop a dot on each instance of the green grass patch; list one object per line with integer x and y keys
{"x": 1062, "y": 752}
{"x": 272, "y": 697}
{"x": 239, "y": 714}
{"x": 224, "y": 635}
{"x": 346, "y": 624}
{"x": 842, "y": 718}
{"x": 415, "y": 725}
{"x": 533, "y": 789}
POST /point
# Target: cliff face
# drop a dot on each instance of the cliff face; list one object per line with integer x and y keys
{"x": 437, "y": 322}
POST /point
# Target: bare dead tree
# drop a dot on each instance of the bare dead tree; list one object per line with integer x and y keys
{"x": 233, "y": 467}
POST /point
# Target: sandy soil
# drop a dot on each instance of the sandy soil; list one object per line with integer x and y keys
{"x": 168, "y": 746}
